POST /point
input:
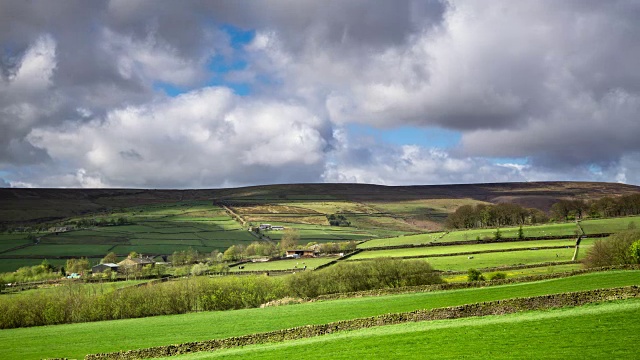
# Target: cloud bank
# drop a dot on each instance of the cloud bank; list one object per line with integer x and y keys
{"x": 146, "y": 93}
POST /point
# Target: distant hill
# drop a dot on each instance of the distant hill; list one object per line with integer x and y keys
{"x": 27, "y": 205}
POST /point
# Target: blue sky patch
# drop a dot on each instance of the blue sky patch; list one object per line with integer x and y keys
{"x": 431, "y": 137}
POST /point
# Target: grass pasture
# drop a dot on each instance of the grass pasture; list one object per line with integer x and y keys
{"x": 561, "y": 229}
{"x": 9, "y": 241}
{"x": 432, "y": 250}
{"x": 531, "y": 335}
{"x": 596, "y": 226}
{"x": 63, "y": 250}
{"x": 551, "y": 269}
{"x": 293, "y": 264}
{"x": 322, "y": 233}
{"x": 9, "y": 265}
{"x": 54, "y": 341}
{"x": 491, "y": 260}
{"x": 402, "y": 240}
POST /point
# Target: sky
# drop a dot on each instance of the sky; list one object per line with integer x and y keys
{"x": 209, "y": 94}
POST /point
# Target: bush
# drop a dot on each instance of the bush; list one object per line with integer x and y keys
{"x": 474, "y": 275}
{"x": 498, "y": 276}
{"x": 78, "y": 303}
{"x": 363, "y": 275}
{"x": 634, "y": 252}
{"x": 616, "y": 250}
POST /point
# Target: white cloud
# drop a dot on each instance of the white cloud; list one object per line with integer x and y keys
{"x": 36, "y": 68}
{"x": 553, "y": 82}
{"x": 199, "y": 139}
{"x": 153, "y": 59}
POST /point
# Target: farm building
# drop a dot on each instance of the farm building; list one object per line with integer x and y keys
{"x": 301, "y": 253}
{"x": 136, "y": 262}
{"x": 104, "y": 267}
{"x": 277, "y": 228}
{"x": 265, "y": 226}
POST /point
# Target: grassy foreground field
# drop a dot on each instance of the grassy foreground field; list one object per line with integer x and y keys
{"x": 555, "y": 334}
{"x": 77, "y": 340}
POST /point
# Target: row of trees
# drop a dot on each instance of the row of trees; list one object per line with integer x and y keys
{"x": 603, "y": 207}
{"x": 498, "y": 215}
{"x": 43, "y": 271}
{"x": 75, "y": 303}
{"x": 101, "y": 222}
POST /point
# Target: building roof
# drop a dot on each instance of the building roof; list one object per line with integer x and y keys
{"x": 137, "y": 261}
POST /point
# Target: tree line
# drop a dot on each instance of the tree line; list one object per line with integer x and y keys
{"x": 75, "y": 303}
{"x": 604, "y": 207}
{"x": 498, "y": 215}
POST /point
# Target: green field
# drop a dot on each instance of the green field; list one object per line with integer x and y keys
{"x": 512, "y": 232}
{"x": 402, "y": 240}
{"x": 54, "y": 341}
{"x": 292, "y": 264}
{"x": 609, "y": 225}
{"x": 81, "y": 287}
{"x": 551, "y": 269}
{"x": 62, "y": 250}
{"x": 475, "y": 234}
{"x": 424, "y": 251}
{"x": 531, "y": 335}
{"x": 491, "y": 260}
{"x": 9, "y": 265}
{"x": 157, "y": 230}
{"x": 8, "y": 241}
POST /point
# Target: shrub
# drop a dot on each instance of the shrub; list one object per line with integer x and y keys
{"x": 474, "y": 275}
{"x": 634, "y": 252}
{"x": 363, "y": 275}
{"x": 616, "y": 250}
{"x": 498, "y": 276}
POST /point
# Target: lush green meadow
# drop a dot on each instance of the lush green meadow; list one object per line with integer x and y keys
{"x": 8, "y": 241}
{"x": 402, "y": 240}
{"x": 9, "y": 265}
{"x": 292, "y": 264}
{"x": 609, "y": 225}
{"x": 561, "y": 229}
{"x": 432, "y": 250}
{"x": 322, "y": 233}
{"x": 54, "y": 341}
{"x": 541, "y": 270}
{"x": 491, "y": 260}
{"x": 530, "y": 335}
{"x": 73, "y": 285}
